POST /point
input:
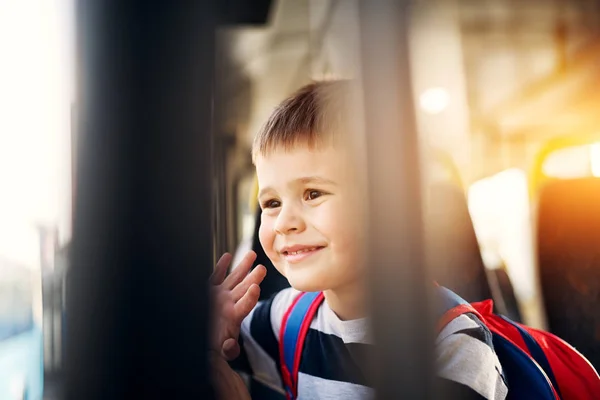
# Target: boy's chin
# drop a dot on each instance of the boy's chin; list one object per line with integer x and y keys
{"x": 307, "y": 283}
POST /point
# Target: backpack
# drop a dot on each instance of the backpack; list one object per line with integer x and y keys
{"x": 536, "y": 364}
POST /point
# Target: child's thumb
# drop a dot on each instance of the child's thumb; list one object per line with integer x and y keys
{"x": 231, "y": 349}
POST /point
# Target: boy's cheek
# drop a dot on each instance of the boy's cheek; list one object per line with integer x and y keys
{"x": 266, "y": 238}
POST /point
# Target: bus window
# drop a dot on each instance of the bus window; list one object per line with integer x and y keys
{"x": 15, "y": 300}
{"x": 38, "y": 85}
{"x": 246, "y": 206}
{"x": 565, "y": 157}
{"x": 246, "y": 215}
{"x": 20, "y": 336}
{"x": 571, "y": 162}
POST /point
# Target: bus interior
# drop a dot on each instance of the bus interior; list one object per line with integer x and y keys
{"x": 148, "y": 115}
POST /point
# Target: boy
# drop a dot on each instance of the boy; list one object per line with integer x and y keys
{"x": 309, "y": 192}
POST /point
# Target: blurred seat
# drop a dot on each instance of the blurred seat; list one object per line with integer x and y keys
{"x": 568, "y": 246}
{"x": 505, "y": 301}
{"x": 452, "y": 246}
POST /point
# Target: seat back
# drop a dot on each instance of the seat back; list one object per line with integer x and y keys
{"x": 452, "y": 247}
{"x": 505, "y": 301}
{"x": 568, "y": 247}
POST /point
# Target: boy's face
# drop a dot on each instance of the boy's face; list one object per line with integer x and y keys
{"x": 311, "y": 228}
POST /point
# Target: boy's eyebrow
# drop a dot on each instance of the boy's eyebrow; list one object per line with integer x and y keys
{"x": 316, "y": 179}
{"x": 304, "y": 181}
{"x": 263, "y": 191}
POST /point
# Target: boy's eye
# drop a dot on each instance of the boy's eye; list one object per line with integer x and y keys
{"x": 271, "y": 204}
{"x": 313, "y": 194}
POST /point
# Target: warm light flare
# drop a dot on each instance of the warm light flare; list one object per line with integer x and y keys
{"x": 595, "y": 159}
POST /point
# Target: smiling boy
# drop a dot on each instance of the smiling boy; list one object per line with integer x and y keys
{"x": 312, "y": 229}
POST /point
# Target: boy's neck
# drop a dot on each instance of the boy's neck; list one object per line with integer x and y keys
{"x": 348, "y": 302}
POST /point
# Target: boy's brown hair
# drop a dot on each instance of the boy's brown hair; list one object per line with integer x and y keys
{"x": 313, "y": 116}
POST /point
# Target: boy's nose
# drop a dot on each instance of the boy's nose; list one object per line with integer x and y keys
{"x": 288, "y": 221}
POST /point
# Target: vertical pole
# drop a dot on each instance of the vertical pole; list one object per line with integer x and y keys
{"x": 142, "y": 238}
{"x": 400, "y": 307}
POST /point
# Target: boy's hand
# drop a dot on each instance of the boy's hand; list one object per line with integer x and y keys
{"x": 233, "y": 298}
{"x": 227, "y": 383}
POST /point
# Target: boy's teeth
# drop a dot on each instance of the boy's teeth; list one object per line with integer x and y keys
{"x": 301, "y": 251}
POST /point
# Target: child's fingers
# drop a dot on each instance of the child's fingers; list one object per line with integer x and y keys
{"x": 220, "y": 271}
{"x": 230, "y": 349}
{"x": 255, "y": 277}
{"x": 243, "y": 307}
{"x": 222, "y": 316}
{"x": 240, "y": 272}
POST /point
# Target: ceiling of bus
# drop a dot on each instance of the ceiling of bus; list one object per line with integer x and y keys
{"x": 526, "y": 69}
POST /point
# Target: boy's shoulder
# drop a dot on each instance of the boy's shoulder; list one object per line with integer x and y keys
{"x": 465, "y": 355}
{"x": 270, "y": 312}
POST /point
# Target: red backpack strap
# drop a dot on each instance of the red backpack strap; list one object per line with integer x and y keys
{"x": 294, "y": 327}
{"x": 452, "y": 306}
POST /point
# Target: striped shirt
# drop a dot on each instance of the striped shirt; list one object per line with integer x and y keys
{"x": 335, "y": 350}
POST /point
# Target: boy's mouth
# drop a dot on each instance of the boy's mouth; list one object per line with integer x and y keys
{"x": 296, "y": 254}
